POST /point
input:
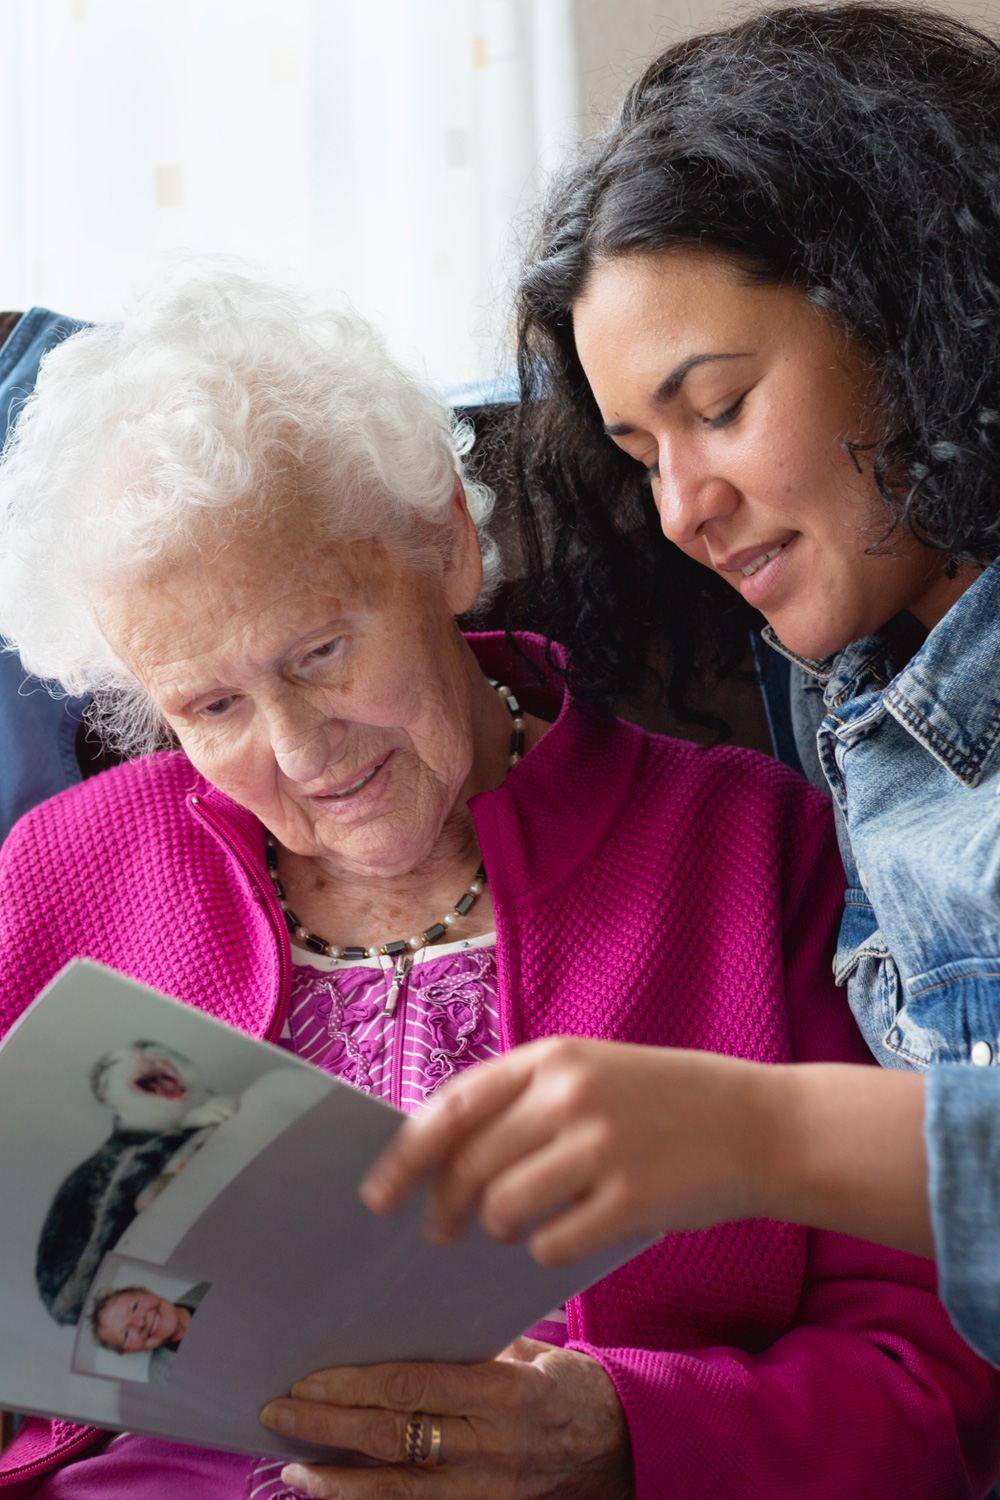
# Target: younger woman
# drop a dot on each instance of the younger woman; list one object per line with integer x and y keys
{"x": 771, "y": 294}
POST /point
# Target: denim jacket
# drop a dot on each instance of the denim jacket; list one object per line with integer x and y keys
{"x": 37, "y": 731}
{"x": 911, "y": 757}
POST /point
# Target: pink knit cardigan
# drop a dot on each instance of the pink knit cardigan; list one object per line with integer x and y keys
{"x": 645, "y": 891}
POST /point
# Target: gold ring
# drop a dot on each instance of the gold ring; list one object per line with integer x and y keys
{"x": 432, "y": 1457}
{"x": 414, "y": 1439}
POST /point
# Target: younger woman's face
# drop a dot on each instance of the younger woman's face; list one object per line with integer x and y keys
{"x": 738, "y": 400}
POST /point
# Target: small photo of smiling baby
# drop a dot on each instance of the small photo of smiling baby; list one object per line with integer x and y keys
{"x": 135, "y": 1321}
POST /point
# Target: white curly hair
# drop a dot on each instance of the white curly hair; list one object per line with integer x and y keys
{"x": 221, "y": 396}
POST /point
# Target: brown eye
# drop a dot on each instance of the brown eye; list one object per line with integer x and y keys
{"x": 219, "y": 706}
{"x": 327, "y": 649}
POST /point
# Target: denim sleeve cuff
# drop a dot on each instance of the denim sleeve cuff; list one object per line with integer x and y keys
{"x": 962, "y": 1133}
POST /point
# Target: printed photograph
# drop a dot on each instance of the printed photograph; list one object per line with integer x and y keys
{"x": 134, "y": 1321}
{"x": 162, "y": 1113}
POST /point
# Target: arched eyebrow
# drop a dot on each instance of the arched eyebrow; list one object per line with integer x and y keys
{"x": 671, "y": 384}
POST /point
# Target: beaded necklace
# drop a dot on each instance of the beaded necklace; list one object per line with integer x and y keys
{"x": 399, "y": 950}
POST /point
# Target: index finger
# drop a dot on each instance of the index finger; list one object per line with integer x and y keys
{"x": 446, "y": 1390}
{"x": 426, "y": 1140}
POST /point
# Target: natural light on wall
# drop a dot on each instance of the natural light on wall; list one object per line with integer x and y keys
{"x": 387, "y": 147}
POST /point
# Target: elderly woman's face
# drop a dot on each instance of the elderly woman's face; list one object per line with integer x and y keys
{"x": 326, "y": 688}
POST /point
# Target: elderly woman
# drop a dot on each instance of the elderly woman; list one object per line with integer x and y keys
{"x": 396, "y": 850}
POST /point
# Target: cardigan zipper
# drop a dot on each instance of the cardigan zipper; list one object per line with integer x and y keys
{"x": 269, "y": 900}
{"x": 400, "y": 968}
{"x": 397, "y": 1009}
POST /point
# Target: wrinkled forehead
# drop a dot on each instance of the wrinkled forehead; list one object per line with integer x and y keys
{"x": 251, "y": 595}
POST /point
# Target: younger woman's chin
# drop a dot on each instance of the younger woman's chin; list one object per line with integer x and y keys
{"x": 816, "y": 640}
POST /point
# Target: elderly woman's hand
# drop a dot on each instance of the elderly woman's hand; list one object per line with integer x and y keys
{"x": 537, "y": 1421}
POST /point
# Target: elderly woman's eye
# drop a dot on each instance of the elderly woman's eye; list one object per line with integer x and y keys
{"x": 327, "y": 649}
{"x": 219, "y": 705}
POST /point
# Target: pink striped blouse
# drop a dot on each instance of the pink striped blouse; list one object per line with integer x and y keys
{"x": 397, "y": 1042}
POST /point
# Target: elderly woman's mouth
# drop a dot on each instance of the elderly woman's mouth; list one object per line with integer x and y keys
{"x": 341, "y": 792}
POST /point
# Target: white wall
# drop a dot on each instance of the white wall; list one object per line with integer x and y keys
{"x": 382, "y": 146}
{"x": 393, "y": 148}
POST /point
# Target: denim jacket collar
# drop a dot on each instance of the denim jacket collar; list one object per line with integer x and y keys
{"x": 948, "y": 695}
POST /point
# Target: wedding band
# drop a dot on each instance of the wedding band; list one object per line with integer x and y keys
{"x": 432, "y": 1457}
{"x": 416, "y": 1437}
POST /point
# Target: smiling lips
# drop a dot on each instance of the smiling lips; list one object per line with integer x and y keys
{"x": 750, "y": 560}
{"x": 760, "y": 562}
{"x": 355, "y": 786}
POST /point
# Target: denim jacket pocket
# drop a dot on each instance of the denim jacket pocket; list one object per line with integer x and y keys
{"x": 864, "y": 964}
{"x": 951, "y": 1014}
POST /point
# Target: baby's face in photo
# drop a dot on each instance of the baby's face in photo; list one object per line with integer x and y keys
{"x": 138, "y": 1320}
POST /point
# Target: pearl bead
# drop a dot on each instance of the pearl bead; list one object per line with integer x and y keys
{"x": 415, "y": 943}
{"x": 373, "y": 953}
{"x": 475, "y": 889}
{"x": 450, "y": 919}
{"x": 515, "y": 758}
{"x": 283, "y": 904}
{"x": 504, "y": 692}
{"x": 335, "y": 952}
{"x": 300, "y": 932}
{"x": 518, "y": 724}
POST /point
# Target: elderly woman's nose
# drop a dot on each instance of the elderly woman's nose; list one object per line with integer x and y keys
{"x": 302, "y": 750}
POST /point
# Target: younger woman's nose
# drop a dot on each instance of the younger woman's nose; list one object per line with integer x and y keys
{"x": 689, "y": 497}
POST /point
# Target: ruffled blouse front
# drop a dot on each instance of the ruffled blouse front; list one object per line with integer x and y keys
{"x": 401, "y": 1046}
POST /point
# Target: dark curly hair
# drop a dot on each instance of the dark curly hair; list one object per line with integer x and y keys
{"x": 852, "y": 151}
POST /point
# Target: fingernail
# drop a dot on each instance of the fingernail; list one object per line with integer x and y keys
{"x": 372, "y": 1193}
{"x": 295, "y": 1477}
{"x": 279, "y": 1417}
{"x": 308, "y": 1390}
{"x": 504, "y": 1234}
{"x": 439, "y": 1228}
